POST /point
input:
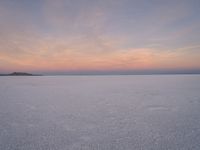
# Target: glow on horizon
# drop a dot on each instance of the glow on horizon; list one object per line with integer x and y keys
{"x": 105, "y": 35}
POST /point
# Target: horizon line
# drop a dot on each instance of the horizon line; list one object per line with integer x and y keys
{"x": 112, "y": 72}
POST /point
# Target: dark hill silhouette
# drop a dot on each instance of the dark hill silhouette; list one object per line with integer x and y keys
{"x": 20, "y": 74}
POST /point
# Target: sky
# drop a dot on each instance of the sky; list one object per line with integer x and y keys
{"x": 67, "y": 36}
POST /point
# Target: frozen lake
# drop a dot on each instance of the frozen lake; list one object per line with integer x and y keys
{"x": 152, "y": 112}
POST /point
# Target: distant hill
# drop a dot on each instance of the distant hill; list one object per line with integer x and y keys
{"x": 20, "y": 74}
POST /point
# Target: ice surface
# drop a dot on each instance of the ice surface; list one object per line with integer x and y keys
{"x": 152, "y": 112}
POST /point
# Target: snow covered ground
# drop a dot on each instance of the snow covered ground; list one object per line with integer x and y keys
{"x": 150, "y": 112}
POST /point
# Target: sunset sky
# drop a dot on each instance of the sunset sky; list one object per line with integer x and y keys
{"x": 63, "y": 36}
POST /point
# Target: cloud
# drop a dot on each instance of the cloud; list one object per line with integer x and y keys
{"x": 73, "y": 35}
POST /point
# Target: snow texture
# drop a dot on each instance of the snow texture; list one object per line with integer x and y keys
{"x": 149, "y": 112}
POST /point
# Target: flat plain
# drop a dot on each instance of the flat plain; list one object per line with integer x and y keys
{"x": 139, "y": 112}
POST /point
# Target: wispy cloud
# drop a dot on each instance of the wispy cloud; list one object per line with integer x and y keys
{"x": 98, "y": 35}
